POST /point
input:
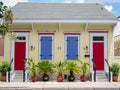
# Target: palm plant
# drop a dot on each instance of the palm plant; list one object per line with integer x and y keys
{"x": 115, "y": 69}
{"x": 4, "y": 68}
{"x": 45, "y": 67}
{"x": 32, "y": 68}
{"x": 72, "y": 67}
{"x": 60, "y": 66}
{"x": 84, "y": 67}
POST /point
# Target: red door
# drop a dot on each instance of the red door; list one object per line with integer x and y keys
{"x": 20, "y": 51}
{"x": 98, "y": 55}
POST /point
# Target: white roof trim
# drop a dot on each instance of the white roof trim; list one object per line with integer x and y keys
{"x": 67, "y": 21}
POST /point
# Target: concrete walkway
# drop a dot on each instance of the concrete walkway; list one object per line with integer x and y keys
{"x": 60, "y": 86}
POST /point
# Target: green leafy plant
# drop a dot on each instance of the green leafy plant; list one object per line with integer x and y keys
{"x": 115, "y": 68}
{"x": 84, "y": 67}
{"x": 32, "y": 67}
{"x": 60, "y": 66}
{"x": 45, "y": 67}
{"x": 6, "y": 16}
{"x": 72, "y": 66}
{"x": 4, "y": 67}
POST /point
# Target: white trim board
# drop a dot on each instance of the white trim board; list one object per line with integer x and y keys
{"x": 67, "y": 21}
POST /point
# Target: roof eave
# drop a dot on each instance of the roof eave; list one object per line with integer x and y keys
{"x": 67, "y": 21}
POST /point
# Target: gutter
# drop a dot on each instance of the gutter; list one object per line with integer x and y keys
{"x": 67, "y": 21}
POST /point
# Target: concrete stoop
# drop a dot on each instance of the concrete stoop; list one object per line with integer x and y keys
{"x": 60, "y": 86}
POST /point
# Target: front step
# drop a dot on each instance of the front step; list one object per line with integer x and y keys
{"x": 101, "y": 76}
{"x": 17, "y": 76}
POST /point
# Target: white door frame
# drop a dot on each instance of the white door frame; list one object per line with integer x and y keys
{"x": 105, "y": 48}
{"x": 19, "y": 34}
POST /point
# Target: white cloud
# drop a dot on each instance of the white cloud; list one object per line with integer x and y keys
{"x": 80, "y": 1}
{"x": 109, "y": 7}
{"x": 11, "y": 3}
{"x": 67, "y": 1}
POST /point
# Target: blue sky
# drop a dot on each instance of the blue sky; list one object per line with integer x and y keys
{"x": 112, "y": 5}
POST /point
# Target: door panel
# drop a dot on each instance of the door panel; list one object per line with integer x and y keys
{"x": 20, "y": 51}
{"x": 72, "y": 47}
{"x": 98, "y": 55}
{"x": 46, "y": 48}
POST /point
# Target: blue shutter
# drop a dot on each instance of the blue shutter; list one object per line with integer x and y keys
{"x": 72, "y": 47}
{"x": 46, "y": 48}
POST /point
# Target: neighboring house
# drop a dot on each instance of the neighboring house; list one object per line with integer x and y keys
{"x": 117, "y": 43}
{"x": 60, "y": 31}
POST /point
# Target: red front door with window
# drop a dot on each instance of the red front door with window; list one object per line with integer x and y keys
{"x": 19, "y": 55}
{"x": 98, "y": 55}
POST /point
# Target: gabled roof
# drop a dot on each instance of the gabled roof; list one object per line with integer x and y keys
{"x": 86, "y": 12}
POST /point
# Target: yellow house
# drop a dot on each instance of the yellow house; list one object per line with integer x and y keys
{"x": 61, "y": 31}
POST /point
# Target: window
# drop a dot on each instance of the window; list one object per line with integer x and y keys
{"x": 72, "y": 47}
{"x": 21, "y": 38}
{"x": 98, "y": 38}
{"x": 117, "y": 46}
{"x": 1, "y": 45}
{"x": 46, "y": 47}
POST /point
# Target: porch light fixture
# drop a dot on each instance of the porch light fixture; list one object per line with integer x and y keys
{"x": 86, "y": 49}
{"x": 32, "y": 47}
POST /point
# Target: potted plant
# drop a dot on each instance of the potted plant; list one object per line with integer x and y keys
{"x": 45, "y": 67}
{"x": 115, "y": 68}
{"x": 84, "y": 67}
{"x": 4, "y": 68}
{"x": 32, "y": 68}
{"x": 60, "y": 66}
{"x": 72, "y": 67}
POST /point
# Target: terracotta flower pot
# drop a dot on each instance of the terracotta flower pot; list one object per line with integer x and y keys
{"x": 115, "y": 78}
{"x": 3, "y": 78}
{"x": 34, "y": 78}
{"x": 59, "y": 78}
{"x": 83, "y": 78}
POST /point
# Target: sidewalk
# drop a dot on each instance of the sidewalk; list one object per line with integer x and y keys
{"x": 60, "y": 86}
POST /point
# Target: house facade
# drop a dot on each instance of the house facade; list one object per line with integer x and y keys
{"x": 116, "y": 43}
{"x": 60, "y": 31}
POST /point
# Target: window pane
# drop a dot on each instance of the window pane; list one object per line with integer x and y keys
{"x": 98, "y": 38}
{"x": 1, "y": 45}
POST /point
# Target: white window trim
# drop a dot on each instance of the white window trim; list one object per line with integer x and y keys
{"x": 39, "y": 53}
{"x": 105, "y": 48}
{"x": 25, "y": 34}
{"x": 66, "y": 45}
